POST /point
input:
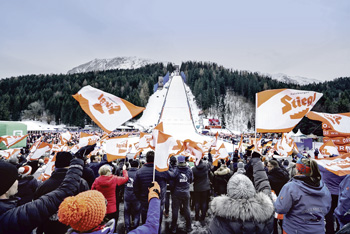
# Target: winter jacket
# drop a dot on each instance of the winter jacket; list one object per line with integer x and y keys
{"x": 245, "y": 209}
{"x": 342, "y": 212}
{"x": 182, "y": 181}
{"x": 107, "y": 185}
{"x": 27, "y": 186}
{"x": 277, "y": 178}
{"x": 201, "y": 180}
{"x": 95, "y": 166}
{"x": 144, "y": 178}
{"x": 23, "y": 219}
{"x": 305, "y": 204}
{"x": 129, "y": 194}
{"x": 51, "y": 224}
{"x": 221, "y": 178}
{"x": 88, "y": 175}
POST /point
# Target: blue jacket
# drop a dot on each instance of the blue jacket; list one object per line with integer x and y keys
{"x": 305, "y": 204}
{"x": 341, "y": 212}
{"x": 183, "y": 179}
{"x": 129, "y": 194}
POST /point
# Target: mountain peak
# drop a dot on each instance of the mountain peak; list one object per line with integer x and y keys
{"x": 292, "y": 79}
{"x": 113, "y": 63}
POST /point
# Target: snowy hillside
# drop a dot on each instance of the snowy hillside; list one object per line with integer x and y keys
{"x": 114, "y": 63}
{"x": 292, "y": 79}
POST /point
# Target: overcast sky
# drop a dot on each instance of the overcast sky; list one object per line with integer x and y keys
{"x": 307, "y": 38}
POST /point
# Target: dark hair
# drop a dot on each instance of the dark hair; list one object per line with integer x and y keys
{"x": 315, "y": 174}
{"x": 92, "y": 158}
{"x": 150, "y": 156}
{"x": 134, "y": 163}
{"x": 274, "y": 163}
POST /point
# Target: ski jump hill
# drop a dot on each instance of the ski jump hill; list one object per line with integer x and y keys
{"x": 171, "y": 106}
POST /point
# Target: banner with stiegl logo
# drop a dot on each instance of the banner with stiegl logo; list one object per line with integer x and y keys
{"x": 280, "y": 110}
{"x": 106, "y": 110}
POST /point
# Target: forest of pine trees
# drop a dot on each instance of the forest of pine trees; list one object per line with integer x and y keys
{"x": 35, "y": 96}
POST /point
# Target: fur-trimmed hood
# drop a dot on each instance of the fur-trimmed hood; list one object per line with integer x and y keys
{"x": 242, "y": 202}
{"x": 223, "y": 170}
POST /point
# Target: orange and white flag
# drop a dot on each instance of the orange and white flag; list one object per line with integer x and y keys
{"x": 162, "y": 153}
{"x": 87, "y": 139}
{"x": 338, "y": 122}
{"x": 106, "y": 110}
{"x": 145, "y": 141}
{"x": 117, "y": 147}
{"x": 59, "y": 148}
{"x": 339, "y": 165}
{"x": 39, "y": 150}
{"x": 11, "y": 140}
{"x": 65, "y": 137}
{"x": 9, "y": 153}
{"x": 213, "y": 142}
{"x": 328, "y": 149}
{"x": 193, "y": 148}
{"x": 219, "y": 153}
{"x": 280, "y": 110}
{"x": 50, "y": 167}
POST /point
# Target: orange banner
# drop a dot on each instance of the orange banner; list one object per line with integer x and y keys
{"x": 332, "y": 133}
{"x": 337, "y": 140}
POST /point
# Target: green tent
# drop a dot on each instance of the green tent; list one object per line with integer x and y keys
{"x": 12, "y": 128}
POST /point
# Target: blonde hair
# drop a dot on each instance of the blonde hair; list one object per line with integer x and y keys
{"x": 105, "y": 170}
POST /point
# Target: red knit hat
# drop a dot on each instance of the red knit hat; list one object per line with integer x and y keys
{"x": 25, "y": 170}
{"x": 84, "y": 211}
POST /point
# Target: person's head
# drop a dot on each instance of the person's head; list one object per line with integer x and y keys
{"x": 272, "y": 164}
{"x": 94, "y": 158}
{"x": 25, "y": 170}
{"x": 150, "y": 156}
{"x": 9, "y": 182}
{"x": 181, "y": 160}
{"x": 63, "y": 159}
{"x": 105, "y": 170}
{"x": 134, "y": 164}
{"x": 84, "y": 211}
{"x": 308, "y": 167}
{"x": 285, "y": 163}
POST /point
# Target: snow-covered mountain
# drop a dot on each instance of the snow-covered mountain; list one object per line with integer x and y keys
{"x": 292, "y": 79}
{"x": 114, "y": 63}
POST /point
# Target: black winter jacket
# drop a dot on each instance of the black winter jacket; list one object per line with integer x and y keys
{"x": 23, "y": 219}
{"x": 51, "y": 224}
{"x": 143, "y": 179}
{"x": 201, "y": 180}
{"x": 277, "y": 178}
{"x": 27, "y": 186}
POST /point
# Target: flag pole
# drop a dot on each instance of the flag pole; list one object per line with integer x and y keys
{"x": 256, "y": 104}
{"x": 154, "y": 171}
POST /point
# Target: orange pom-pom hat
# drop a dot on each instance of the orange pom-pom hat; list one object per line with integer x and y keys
{"x": 84, "y": 211}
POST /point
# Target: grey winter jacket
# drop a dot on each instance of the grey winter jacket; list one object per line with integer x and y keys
{"x": 245, "y": 208}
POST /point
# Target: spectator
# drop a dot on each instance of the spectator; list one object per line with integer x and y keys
{"x": 245, "y": 208}
{"x": 90, "y": 219}
{"x": 181, "y": 195}
{"x": 23, "y": 219}
{"x": 221, "y": 177}
{"x": 343, "y": 207}
{"x": 27, "y": 185}
{"x": 106, "y": 183}
{"x": 277, "y": 176}
{"x": 51, "y": 224}
{"x": 132, "y": 206}
{"x": 304, "y": 200}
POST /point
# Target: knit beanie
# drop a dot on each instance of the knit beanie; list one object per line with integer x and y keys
{"x": 303, "y": 166}
{"x": 8, "y": 175}
{"x": 25, "y": 170}
{"x": 84, "y": 211}
{"x": 63, "y": 159}
{"x": 240, "y": 187}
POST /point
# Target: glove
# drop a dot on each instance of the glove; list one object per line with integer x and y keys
{"x": 124, "y": 167}
{"x": 154, "y": 191}
{"x": 83, "y": 152}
